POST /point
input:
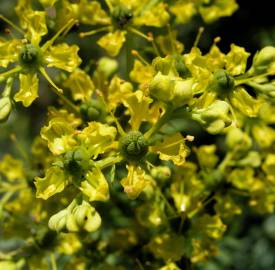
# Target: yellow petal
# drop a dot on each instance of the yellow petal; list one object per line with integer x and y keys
{"x": 47, "y": 3}
{"x": 95, "y": 186}
{"x": 118, "y": 88}
{"x": 9, "y": 51}
{"x": 35, "y": 24}
{"x": 156, "y": 16}
{"x": 141, "y": 73}
{"x": 138, "y": 105}
{"x": 172, "y": 148}
{"x": 92, "y": 13}
{"x": 219, "y": 8}
{"x": 97, "y": 137}
{"x": 236, "y": 60}
{"x": 12, "y": 168}
{"x": 183, "y": 10}
{"x": 135, "y": 182}
{"x": 28, "y": 89}
{"x": 63, "y": 56}
{"x": 112, "y": 42}
{"x": 53, "y": 182}
{"x": 80, "y": 85}
{"x": 58, "y": 134}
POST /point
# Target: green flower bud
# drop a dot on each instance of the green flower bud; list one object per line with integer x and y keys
{"x": 121, "y": 16}
{"x": 133, "y": 146}
{"x": 77, "y": 160}
{"x": 223, "y": 82}
{"x": 5, "y": 109}
{"x": 92, "y": 110}
{"x": 83, "y": 217}
{"x": 30, "y": 56}
{"x": 162, "y": 87}
{"x": 161, "y": 173}
{"x": 263, "y": 59}
{"x": 180, "y": 66}
{"x": 107, "y": 66}
{"x": 58, "y": 221}
{"x": 237, "y": 138}
{"x": 215, "y": 117}
{"x": 182, "y": 92}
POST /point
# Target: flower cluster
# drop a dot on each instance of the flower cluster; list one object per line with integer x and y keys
{"x": 118, "y": 176}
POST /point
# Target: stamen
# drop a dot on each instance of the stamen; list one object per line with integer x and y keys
{"x": 93, "y": 32}
{"x": 66, "y": 27}
{"x": 138, "y": 33}
{"x": 15, "y": 27}
{"x": 59, "y": 92}
{"x": 198, "y": 37}
{"x": 136, "y": 53}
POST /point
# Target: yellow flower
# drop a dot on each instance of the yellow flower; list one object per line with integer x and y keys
{"x": 31, "y": 58}
{"x": 125, "y": 16}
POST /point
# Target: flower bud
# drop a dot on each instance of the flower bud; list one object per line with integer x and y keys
{"x": 162, "y": 87}
{"x": 83, "y": 217}
{"x": 237, "y": 138}
{"x": 216, "y": 117}
{"x": 58, "y": 221}
{"x": 107, "y": 66}
{"x": 92, "y": 110}
{"x": 263, "y": 59}
{"x": 161, "y": 173}
{"x": 182, "y": 92}
{"x": 5, "y": 108}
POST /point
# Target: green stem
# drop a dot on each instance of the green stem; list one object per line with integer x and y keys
{"x": 53, "y": 262}
{"x": 58, "y": 92}
{"x": 242, "y": 81}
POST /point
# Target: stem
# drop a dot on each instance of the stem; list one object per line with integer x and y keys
{"x": 20, "y": 148}
{"x": 93, "y": 32}
{"x": 241, "y": 81}
{"x": 53, "y": 262}
{"x": 59, "y": 92}
{"x": 12, "y": 24}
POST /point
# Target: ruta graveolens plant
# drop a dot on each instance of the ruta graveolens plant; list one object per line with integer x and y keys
{"x": 117, "y": 178}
